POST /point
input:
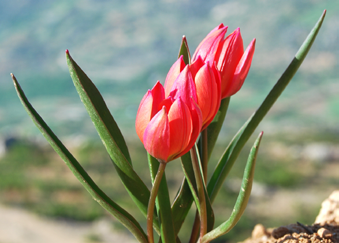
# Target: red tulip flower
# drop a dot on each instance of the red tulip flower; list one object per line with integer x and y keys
{"x": 167, "y": 127}
{"x": 232, "y": 61}
{"x": 203, "y": 79}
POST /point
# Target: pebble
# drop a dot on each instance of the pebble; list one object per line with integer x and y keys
{"x": 280, "y": 232}
{"x": 259, "y": 231}
{"x": 324, "y": 233}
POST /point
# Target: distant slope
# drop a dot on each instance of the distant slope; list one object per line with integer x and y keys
{"x": 126, "y": 46}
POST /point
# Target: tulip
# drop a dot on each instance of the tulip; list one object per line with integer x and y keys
{"x": 173, "y": 73}
{"x": 232, "y": 61}
{"x": 166, "y": 126}
{"x": 200, "y": 81}
{"x": 207, "y": 82}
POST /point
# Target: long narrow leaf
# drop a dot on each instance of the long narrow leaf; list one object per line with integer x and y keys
{"x": 110, "y": 134}
{"x": 190, "y": 178}
{"x": 243, "y": 197}
{"x": 214, "y": 128}
{"x": 232, "y": 152}
{"x": 181, "y": 205}
{"x": 98, "y": 195}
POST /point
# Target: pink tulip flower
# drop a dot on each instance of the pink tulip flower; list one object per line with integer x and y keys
{"x": 167, "y": 127}
{"x": 228, "y": 53}
{"x": 199, "y": 78}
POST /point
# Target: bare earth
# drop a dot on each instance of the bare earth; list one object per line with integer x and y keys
{"x": 325, "y": 228}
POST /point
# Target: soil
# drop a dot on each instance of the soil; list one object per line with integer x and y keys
{"x": 325, "y": 228}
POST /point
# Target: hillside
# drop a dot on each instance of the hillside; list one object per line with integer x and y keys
{"x": 126, "y": 46}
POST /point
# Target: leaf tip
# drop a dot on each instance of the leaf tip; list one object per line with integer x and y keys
{"x": 67, "y": 52}
{"x": 13, "y": 78}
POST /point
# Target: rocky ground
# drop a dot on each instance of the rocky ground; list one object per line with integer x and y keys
{"x": 325, "y": 228}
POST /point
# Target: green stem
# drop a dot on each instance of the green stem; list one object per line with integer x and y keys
{"x": 151, "y": 203}
{"x": 201, "y": 192}
{"x": 195, "y": 228}
{"x": 204, "y": 151}
{"x": 162, "y": 204}
{"x": 204, "y": 164}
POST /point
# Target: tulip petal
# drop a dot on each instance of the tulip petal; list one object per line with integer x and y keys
{"x": 204, "y": 85}
{"x": 228, "y": 58}
{"x": 148, "y": 107}
{"x": 196, "y": 123}
{"x": 209, "y": 46}
{"x": 180, "y": 123}
{"x": 157, "y": 136}
{"x": 184, "y": 86}
{"x": 196, "y": 65}
{"x": 242, "y": 69}
{"x": 173, "y": 73}
{"x": 216, "y": 94}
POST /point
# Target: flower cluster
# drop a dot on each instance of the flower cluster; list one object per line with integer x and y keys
{"x": 171, "y": 117}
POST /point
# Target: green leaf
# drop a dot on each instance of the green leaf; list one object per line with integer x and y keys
{"x": 214, "y": 128}
{"x": 181, "y": 205}
{"x": 243, "y": 197}
{"x": 98, "y": 195}
{"x": 110, "y": 135}
{"x": 163, "y": 203}
{"x": 231, "y": 153}
{"x": 186, "y": 163}
{"x": 184, "y": 51}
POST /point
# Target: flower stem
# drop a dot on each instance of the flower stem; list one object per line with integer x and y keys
{"x": 204, "y": 157}
{"x": 195, "y": 229}
{"x": 201, "y": 192}
{"x": 151, "y": 202}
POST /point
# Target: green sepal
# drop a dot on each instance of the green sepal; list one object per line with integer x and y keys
{"x": 163, "y": 204}
{"x": 98, "y": 195}
{"x": 110, "y": 134}
{"x": 184, "y": 51}
{"x": 243, "y": 197}
{"x": 231, "y": 153}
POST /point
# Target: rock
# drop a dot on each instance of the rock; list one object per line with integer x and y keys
{"x": 324, "y": 233}
{"x": 324, "y": 230}
{"x": 259, "y": 231}
{"x": 329, "y": 212}
{"x": 280, "y": 232}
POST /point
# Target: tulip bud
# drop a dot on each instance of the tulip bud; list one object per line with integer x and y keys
{"x": 228, "y": 54}
{"x": 209, "y": 46}
{"x": 165, "y": 126}
{"x": 201, "y": 82}
{"x": 233, "y": 63}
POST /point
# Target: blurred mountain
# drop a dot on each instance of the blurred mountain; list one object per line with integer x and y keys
{"x": 125, "y": 46}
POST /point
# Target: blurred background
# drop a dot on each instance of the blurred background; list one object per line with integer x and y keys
{"x": 125, "y": 46}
